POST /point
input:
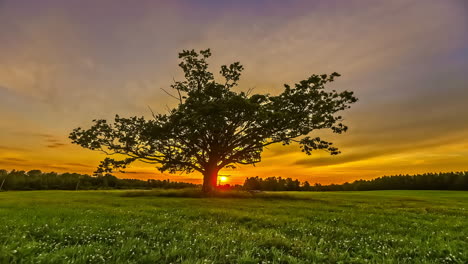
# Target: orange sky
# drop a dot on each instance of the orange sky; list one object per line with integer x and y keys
{"x": 64, "y": 63}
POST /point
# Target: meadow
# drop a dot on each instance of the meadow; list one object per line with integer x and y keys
{"x": 299, "y": 227}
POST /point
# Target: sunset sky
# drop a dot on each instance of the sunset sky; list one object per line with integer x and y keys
{"x": 64, "y": 63}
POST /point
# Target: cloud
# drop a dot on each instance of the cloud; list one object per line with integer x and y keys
{"x": 8, "y": 148}
{"x": 56, "y": 145}
{"x": 63, "y": 64}
{"x": 11, "y": 159}
{"x": 76, "y": 164}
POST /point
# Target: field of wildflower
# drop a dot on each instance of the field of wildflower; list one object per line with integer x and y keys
{"x": 333, "y": 227}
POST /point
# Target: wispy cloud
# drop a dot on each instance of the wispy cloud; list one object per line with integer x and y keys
{"x": 8, "y": 148}
{"x": 56, "y": 145}
{"x": 12, "y": 159}
{"x": 63, "y": 64}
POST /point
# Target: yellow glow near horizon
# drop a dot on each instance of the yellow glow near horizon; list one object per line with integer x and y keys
{"x": 223, "y": 179}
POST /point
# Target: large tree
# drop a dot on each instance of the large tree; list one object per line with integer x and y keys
{"x": 214, "y": 127}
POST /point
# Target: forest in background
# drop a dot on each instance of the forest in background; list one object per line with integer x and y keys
{"x": 38, "y": 180}
{"x": 426, "y": 181}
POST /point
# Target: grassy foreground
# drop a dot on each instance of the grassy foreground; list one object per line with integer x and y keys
{"x": 338, "y": 227}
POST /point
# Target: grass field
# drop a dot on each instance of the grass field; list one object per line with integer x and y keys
{"x": 338, "y": 227}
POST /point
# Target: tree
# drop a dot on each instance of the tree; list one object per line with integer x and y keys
{"x": 306, "y": 186}
{"x": 3, "y": 176}
{"x": 214, "y": 127}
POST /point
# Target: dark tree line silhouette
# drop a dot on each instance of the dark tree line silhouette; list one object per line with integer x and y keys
{"x": 426, "y": 181}
{"x": 274, "y": 184}
{"x": 37, "y": 180}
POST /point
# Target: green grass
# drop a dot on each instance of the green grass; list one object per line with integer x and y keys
{"x": 334, "y": 227}
{"x": 197, "y": 193}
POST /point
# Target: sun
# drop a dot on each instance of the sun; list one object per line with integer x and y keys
{"x": 223, "y": 178}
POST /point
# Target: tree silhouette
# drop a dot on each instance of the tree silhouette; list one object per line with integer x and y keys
{"x": 426, "y": 181}
{"x": 37, "y": 180}
{"x": 214, "y": 127}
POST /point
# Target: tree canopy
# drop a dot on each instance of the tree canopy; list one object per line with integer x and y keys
{"x": 215, "y": 127}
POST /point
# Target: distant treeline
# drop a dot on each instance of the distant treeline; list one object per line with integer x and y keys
{"x": 427, "y": 181}
{"x": 275, "y": 184}
{"x": 37, "y": 180}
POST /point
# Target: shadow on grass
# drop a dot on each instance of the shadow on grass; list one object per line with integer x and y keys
{"x": 195, "y": 193}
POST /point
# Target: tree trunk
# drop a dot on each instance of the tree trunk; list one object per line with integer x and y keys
{"x": 1, "y": 186}
{"x": 210, "y": 178}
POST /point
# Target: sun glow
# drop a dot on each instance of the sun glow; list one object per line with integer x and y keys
{"x": 223, "y": 179}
